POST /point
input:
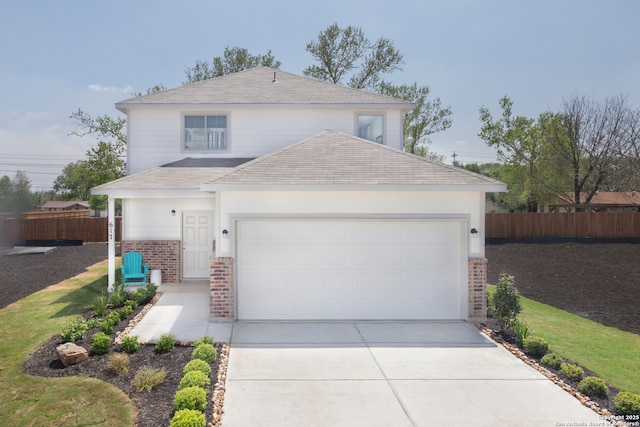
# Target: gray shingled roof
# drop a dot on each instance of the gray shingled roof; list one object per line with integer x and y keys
{"x": 163, "y": 178}
{"x": 255, "y": 86}
{"x": 331, "y": 159}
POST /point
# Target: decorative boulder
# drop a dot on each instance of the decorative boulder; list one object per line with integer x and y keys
{"x": 71, "y": 354}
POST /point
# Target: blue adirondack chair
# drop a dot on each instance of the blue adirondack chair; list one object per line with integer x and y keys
{"x": 134, "y": 272}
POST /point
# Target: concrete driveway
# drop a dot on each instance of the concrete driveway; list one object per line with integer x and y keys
{"x": 385, "y": 374}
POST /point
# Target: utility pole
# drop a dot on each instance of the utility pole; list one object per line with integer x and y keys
{"x": 454, "y": 159}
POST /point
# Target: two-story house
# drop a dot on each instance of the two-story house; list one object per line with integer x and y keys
{"x": 293, "y": 197}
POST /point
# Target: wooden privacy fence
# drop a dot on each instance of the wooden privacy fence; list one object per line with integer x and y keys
{"x": 19, "y": 230}
{"x": 614, "y": 225}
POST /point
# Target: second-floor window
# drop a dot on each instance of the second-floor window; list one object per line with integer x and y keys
{"x": 205, "y": 133}
{"x": 371, "y": 127}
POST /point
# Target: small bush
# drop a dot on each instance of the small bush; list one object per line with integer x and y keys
{"x": 191, "y": 398}
{"x": 74, "y": 331}
{"x": 197, "y": 365}
{"x": 112, "y": 318}
{"x": 628, "y": 403}
{"x": 521, "y": 330}
{"x": 119, "y": 294}
{"x": 130, "y": 344}
{"x": 148, "y": 378}
{"x": 504, "y": 304}
{"x": 203, "y": 340}
{"x": 165, "y": 344}
{"x": 131, "y": 303}
{"x": 107, "y": 328}
{"x": 101, "y": 343}
{"x": 535, "y": 346}
{"x": 101, "y": 304}
{"x": 139, "y": 295}
{"x": 593, "y": 387}
{"x": 206, "y": 352}
{"x": 573, "y": 372}
{"x": 118, "y": 363}
{"x": 124, "y": 312}
{"x": 552, "y": 360}
{"x": 188, "y": 418}
{"x": 195, "y": 379}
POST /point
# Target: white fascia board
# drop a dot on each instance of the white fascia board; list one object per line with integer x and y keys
{"x": 484, "y": 188}
{"x": 146, "y": 193}
{"x": 405, "y": 107}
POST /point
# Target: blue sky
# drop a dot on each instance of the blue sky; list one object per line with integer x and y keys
{"x": 56, "y": 57}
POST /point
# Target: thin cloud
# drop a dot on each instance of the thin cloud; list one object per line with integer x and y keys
{"x": 96, "y": 87}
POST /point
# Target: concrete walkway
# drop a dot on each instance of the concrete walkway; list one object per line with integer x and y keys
{"x": 423, "y": 373}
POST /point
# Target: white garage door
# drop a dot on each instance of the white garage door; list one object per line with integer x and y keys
{"x": 350, "y": 269}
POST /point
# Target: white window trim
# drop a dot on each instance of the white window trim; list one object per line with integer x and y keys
{"x": 383, "y": 114}
{"x": 227, "y": 114}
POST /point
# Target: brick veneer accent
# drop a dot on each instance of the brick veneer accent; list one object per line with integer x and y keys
{"x": 477, "y": 289}
{"x": 221, "y": 304}
{"x": 163, "y": 255}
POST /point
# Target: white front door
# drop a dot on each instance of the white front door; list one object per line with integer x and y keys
{"x": 197, "y": 244}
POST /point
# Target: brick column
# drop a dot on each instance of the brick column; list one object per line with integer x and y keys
{"x": 477, "y": 289}
{"x": 163, "y": 255}
{"x": 221, "y": 303}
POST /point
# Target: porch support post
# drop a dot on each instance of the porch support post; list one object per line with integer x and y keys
{"x": 111, "y": 214}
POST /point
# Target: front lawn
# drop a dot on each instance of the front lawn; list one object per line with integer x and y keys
{"x": 612, "y": 354}
{"x": 37, "y": 401}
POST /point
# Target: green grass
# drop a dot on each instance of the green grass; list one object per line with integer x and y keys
{"x": 36, "y": 401}
{"x": 612, "y": 354}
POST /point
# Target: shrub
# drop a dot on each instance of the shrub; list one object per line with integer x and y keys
{"x": 593, "y": 387}
{"x": 203, "y": 340}
{"x": 206, "y": 352}
{"x": 124, "y": 312}
{"x": 112, "y": 318}
{"x": 148, "y": 378}
{"x": 119, "y": 294}
{"x": 191, "y": 398}
{"x": 197, "y": 365}
{"x": 118, "y": 363}
{"x": 130, "y": 344}
{"x": 628, "y": 403}
{"x": 535, "y": 346}
{"x": 165, "y": 344}
{"x": 101, "y": 343}
{"x": 139, "y": 295}
{"x": 521, "y": 330}
{"x": 101, "y": 304}
{"x": 74, "y": 331}
{"x": 107, "y": 328}
{"x": 188, "y": 418}
{"x": 573, "y": 372}
{"x": 504, "y": 304}
{"x": 552, "y": 360}
{"x": 195, "y": 379}
{"x": 131, "y": 303}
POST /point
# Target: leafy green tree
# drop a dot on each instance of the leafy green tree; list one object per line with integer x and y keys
{"x": 519, "y": 142}
{"x": 232, "y": 60}
{"x": 154, "y": 89}
{"x": 16, "y": 195}
{"x": 344, "y": 53}
{"x": 426, "y": 118}
{"x": 105, "y": 161}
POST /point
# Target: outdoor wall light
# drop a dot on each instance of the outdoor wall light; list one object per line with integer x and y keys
{"x": 225, "y": 234}
{"x": 173, "y": 212}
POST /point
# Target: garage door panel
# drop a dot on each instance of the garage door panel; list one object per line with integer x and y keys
{"x": 349, "y": 270}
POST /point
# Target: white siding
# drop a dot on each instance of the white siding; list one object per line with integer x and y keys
{"x": 326, "y": 204}
{"x": 151, "y": 219}
{"x": 155, "y": 134}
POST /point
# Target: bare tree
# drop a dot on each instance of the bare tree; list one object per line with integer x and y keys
{"x": 595, "y": 141}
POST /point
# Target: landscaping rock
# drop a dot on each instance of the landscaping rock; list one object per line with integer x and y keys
{"x": 71, "y": 354}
